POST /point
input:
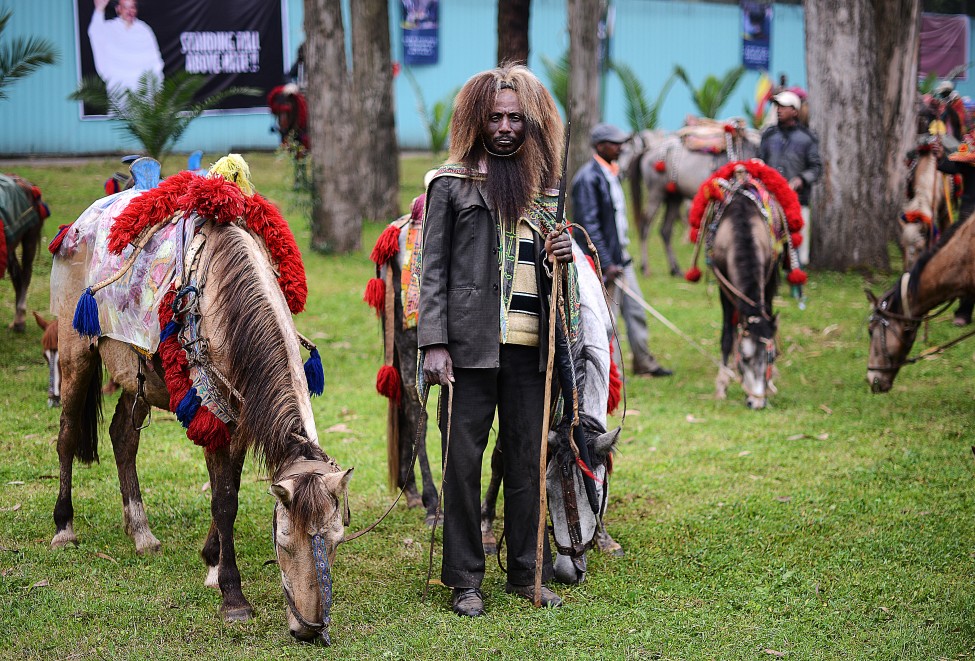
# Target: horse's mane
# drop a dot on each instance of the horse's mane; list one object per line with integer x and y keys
{"x": 923, "y": 260}
{"x": 749, "y": 278}
{"x": 260, "y": 368}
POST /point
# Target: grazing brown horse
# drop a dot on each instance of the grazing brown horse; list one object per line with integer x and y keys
{"x": 49, "y": 345}
{"x": 943, "y": 273}
{"x": 22, "y": 214}
{"x": 238, "y": 321}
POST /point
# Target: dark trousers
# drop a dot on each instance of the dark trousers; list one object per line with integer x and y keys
{"x": 516, "y": 390}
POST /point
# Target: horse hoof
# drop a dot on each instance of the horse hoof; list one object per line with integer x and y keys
{"x": 240, "y": 614}
{"x": 53, "y": 402}
{"x": 18, "y": 327}
{"x": 213, "y": 578}
{"x": 63, "y": 538}
{"x": 433, "y": 520}
{"x": 149, "y": 546}
{"x": 413, "y": 499}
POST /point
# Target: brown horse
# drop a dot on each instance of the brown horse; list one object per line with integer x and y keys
{"x": 944, "y": 272}
{"x": 250, "y": 350}
{"x": 49, "y": 345}
{"x": 926, "y": 212}
{"x": 22, "y": 214}
{"x": 290, "y": 117}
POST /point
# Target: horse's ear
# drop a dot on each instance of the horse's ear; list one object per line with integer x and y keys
{"x": 339, "y": 482}
{"x": 607, "y": 441}
{"x": 40, "y": 320}
{"x": 283, "y": 491}
{"x": 871, "y": 297}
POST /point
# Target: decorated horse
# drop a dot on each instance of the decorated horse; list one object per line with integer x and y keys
{"x": 672, "y": 167}
{"x": 746, "y": 219}
{"x": 290, "y": 117}
{"x": 395, "y": 296}
{"x": 940, "y": 275}
{"x": 49, "y": 348}
{"x": 187, "y": 293}
{"x": 22, "y": 214}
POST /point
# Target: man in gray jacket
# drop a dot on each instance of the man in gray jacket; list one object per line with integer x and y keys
{"x": 793, "y": 150}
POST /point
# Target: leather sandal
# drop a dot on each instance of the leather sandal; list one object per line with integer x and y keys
{"x": 549, "y": 598}
{"x": 468, "y": 602}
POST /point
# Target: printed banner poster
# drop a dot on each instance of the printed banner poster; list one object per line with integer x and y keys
{"x": 233, "y": 42}
{"x": 421, "y": 31}
{"x": 756, "y": 35}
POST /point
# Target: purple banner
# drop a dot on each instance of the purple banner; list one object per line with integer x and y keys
{"x": 756, "y": 35}
{"x": 944, "y": 45}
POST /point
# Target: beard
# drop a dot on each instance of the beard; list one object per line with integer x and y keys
{"x": 509, "y": 186}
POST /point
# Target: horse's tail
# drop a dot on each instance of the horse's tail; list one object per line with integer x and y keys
{"x": 635, "y": 174}
{"x": 87, "y": 449}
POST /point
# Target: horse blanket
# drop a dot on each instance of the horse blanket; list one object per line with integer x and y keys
{"x": 20, "y": 206}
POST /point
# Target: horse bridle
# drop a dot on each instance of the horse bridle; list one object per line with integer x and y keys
{"x": 767, "y": 342}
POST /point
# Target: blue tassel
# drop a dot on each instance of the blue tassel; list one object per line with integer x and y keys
{"x": 315, "y": 373}
{"x": 86, "y": 316}
{"x": 169, "y": 330}
{"x": 188, "y": 407}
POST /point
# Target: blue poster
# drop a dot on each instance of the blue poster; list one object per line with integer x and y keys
{"x": 756, "y": 34}
{"x": 421, "y": 31}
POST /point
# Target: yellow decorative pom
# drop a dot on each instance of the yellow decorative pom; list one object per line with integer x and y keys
{"x": 234, "y": 168}
{"x": 937, "y": 127}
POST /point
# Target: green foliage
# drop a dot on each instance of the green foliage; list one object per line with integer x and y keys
{"x": 714, "y": 92}
{"x": 836, "y": 524}
{"x": 21, "y": 57}
{"x": 753, "y": 120}
{"x": 436, "y": 120}
{"x": 156, "y": 114}
{"x": 639, "y": 113}
{"x": 558, "y": 79}
{"x": 927, "y": 84}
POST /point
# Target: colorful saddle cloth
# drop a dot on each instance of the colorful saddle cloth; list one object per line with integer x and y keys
{"x": 20, "y": 206}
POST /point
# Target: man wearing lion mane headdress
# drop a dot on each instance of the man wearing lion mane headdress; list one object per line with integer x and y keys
{"x": 488, "y": 236}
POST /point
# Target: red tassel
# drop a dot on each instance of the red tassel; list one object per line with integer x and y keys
{"x": 376, "y": 295}
{"x": 265, "y": 219}
{"x": 728, "y": 128}
{"x": 58, "y": 239}
{"x": 796, "y": 239}
{"x": 587, "y": 471}
{"x": 671, "y": 187}
{"x": 208, "y": 430}
{"x": 693, "y": 274}
{"x": 111, "y": 186}
{"x": 797, "y": 277}
{"x": 416, "y": 211}
{"x": 387, "y": 245}
{"x": 388, "y": 383}
{"x": 615, "y": 382}
{"x": 660, "y": 166}
{"x": 147, "y": 209}
{"x": 694, "y": 234}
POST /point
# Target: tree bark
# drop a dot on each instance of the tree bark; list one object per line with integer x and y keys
{"x": 378, "y": 170}
{"x": 513, "y": 21}
{"x": 861, "y": 103}
{"x": 583, "y": 108}
{"x": 336, "y": 221}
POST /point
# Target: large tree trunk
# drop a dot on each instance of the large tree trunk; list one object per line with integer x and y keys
{"x": 372, "y": 72}
{"x": 336, "y": 221}
{"x": 513, "y": 19}
{"x": 861, "y": 63}
{"x": 583, "y": 108}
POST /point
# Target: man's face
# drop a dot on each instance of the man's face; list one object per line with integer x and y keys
{"x": 609, "y": 151}
{"x": 786, "y": 114}
{"x": 504, "y": 128}
{"x": 127, "y": 10}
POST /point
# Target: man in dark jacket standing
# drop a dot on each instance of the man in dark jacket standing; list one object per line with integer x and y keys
{"x": 599, "y": 206}
{"x": 793, "y": 150}
{"x": 488, "y": 237}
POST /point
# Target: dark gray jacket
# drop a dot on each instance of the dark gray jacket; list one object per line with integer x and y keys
{"x": 592, "y": 207}
{"x": 460, "y": 281}
{"x": 794, "y": 152}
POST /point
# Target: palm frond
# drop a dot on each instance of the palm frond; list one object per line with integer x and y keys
{"x": 22, "y": 56}
{"x": 714, "y": 92}
{"x": 558, "y": 79}
{"x": 639, "y": 112}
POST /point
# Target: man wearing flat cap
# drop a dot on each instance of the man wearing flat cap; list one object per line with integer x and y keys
{"x": 793, "y": 150}
{"x": 599, "y": 207}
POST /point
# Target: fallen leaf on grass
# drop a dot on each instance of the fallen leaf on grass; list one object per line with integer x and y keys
{"x": 340, "y": 428}
{"x": 408, "y": 542}
{"x": 826, "y": 409}
{"x": 822, "y": 436}
{"x": 15, "y": 482}
{"x": 105, "y": 556}
{"x": 6, "y": 571}
{"x": 435, "y": 581}
{"x": 775, "y": 653}
{"x": 41, "y": 584}
{"x": 651, "y": 449}
{"x": 206, "y": 485}
{"x": 884, "y": 609}
{"x": 754, "y": 477}
{"x": 690, "y": 418}
{"x": 631, "y": 412}
{"x": 744, "y": 453}
{"x": 13, "y": 508}
{"x": 784, "y": 499}
{"x": 831, "y": 328}
{"x": 797, "y": 437}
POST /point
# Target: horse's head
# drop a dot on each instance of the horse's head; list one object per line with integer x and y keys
{"x": 755, "y": 357}
{"x": 892, "y": 334}
{"x": 49, "y": 345}
{"x": 914, "y": 238}
{"x": 310, "y": 516}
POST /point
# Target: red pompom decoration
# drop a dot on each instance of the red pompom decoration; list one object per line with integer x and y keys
{"x": 671, "y": 187}
{"x": 615, "y": 382}
{"x": 728, "y": 128}
{"x": 111, "y": 186}
{"x": 660, "y": 166}
{"x": 797, "y": 277}
{"x": 214, "y": 197}
{"x": 387, "y": 245}
{"x": 388, "y": 383}
{"x": 208, "y": 430}
{"x": 796, "y": 239}
{"x": 375, "y": 295}
{"x": 694, "y": 233}
{"x": 693, "y": 274}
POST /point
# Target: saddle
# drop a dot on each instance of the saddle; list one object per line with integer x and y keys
{"x": 21, "y": 206}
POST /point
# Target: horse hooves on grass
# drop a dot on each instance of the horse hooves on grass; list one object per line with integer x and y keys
{"x": 149, "y": 547}
{"x": 63, "y": 538}
{"x": 239, "y": 614}
{"x": 18, "y": 327}
{"x": 432, "y": 519}
{"x": 413, "y": 499}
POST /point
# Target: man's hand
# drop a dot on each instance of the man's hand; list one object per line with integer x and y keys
{"x": 937, "y": 149}
{"x": 796, "y": 183}
{"x": 558, "y": 245}
{"x": 100, "y": 5}
{"x": 612, "y": 272}
{"x": 438, "y": 369}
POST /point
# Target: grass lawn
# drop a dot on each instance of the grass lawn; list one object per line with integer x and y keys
{"x": 835, "y": 524}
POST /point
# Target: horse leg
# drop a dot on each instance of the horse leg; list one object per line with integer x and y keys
{"x": 646, "y": 216}
{"x": 607, "y": 544}
{"x": 490, "y": 503}
{"x": 727, "y": 339}
{"x": 125, "y": 443}
{"x": 569, "y": 570}
{"x": 80, "y": 410}
{"x": 23, "y": 270}
{"x": 671, "y": 213}
{"x": 224, "y": 466}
